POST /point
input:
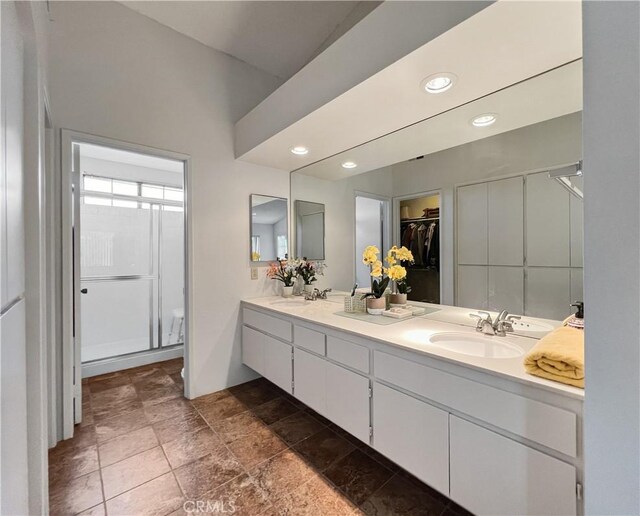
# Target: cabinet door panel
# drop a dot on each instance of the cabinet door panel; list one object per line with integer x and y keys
{"x": 277, "y": 363}
{"x": 253, "y": 349}
{"x": 309, "y": 377}
{"x": 548, "y": 234}
{"x": 548, "y": 293}
{"x": 472, "y": 224}
{"x": 506, "y": 289}
{"x": 472, "y": 286}
{"x": 491, "y": 474}
{"x": 348, "y": 400}
{"x": 506, "y": 221}
{"x": 413, "y": 434}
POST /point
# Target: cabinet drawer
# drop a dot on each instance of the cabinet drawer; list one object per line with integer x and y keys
{"x": 531, "y": 419}
{"x": 267, "y": 324}
{"x": 253, "y": 349}
{"x": 309, "y": 339}
{"x": 491, "y": 474}
{"x": 413, "y": 434}
{"x": 348, "y": 353}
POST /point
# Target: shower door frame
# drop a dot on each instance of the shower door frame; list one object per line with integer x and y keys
{"x": 71, "y": 317}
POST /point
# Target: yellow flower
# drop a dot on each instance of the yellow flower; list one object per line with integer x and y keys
{"x": 390, "y": 258}
{"x": 370, "y": 255}
{"x": 377, "y": 269}
{"x": 397, "y": 273}
{"x": 403, "y": 254}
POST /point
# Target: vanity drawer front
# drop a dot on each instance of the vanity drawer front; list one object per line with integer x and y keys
{"x": 542, "y": 423}
{"x": 491, "y": 474}
{"x": 267, "y": 324}
{"x": 309, "y": 339}
{"x": 348, "y": 353}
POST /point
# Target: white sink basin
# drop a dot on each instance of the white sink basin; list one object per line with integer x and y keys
{"x": 290, "y": 303}
{"x": 476, "y": 345}
{"x": 532, "y": 328}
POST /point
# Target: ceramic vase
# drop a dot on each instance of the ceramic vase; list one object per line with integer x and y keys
{"x": 287, "y": 291}
{"x": 398, "y": 299}
{"x": 376, "y": 305}
{"x": 308, "y": 288}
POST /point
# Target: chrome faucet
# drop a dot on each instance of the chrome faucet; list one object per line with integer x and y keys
{"x": 316, "y": 294}
{"x": 501, "y": 326}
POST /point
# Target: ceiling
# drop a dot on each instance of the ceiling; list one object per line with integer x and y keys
{"x": 502, "y": 45}
{"x": 278, "y": 37}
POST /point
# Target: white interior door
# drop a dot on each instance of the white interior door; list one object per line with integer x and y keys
{"x": 77, "y": 327}
{"x": 71, "y": 342}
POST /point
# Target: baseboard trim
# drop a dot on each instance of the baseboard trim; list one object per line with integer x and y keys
{"x": 110, "y": 365}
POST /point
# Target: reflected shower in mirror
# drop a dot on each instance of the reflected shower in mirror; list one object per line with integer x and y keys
{"x": 269, "y": 228}
{"x": 309, "y": 217}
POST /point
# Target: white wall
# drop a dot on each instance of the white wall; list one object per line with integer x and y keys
{"x": 612, "y": 256}
{"x": 118, "y": 74}
{"x": 339, "y": 200}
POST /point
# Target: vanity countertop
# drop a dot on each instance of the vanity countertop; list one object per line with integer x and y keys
{"x": 413, "y": 334}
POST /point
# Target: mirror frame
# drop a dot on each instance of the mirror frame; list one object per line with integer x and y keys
{"x": 287, "y": 210}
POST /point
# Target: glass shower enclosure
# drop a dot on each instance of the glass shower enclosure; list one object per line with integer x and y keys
{"x": 132, "y": 266}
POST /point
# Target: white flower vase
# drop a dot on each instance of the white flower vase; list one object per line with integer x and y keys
{"x": 308, "y": 288}
{"x": 287, "y": 291}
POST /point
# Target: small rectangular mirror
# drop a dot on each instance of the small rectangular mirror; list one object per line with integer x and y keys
{"x": 269, "y": 228}
{"x": 309, "y": 230}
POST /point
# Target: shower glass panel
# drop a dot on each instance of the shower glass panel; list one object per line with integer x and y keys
{"x": 115, "y": 317}
{"x": 132, "y": 267}
{"x": 171, "y": 295}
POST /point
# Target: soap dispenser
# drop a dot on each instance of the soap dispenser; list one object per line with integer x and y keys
{"x": 577, "y": 320}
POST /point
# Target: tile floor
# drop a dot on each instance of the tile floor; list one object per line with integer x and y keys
{"x": 143, "y": 449}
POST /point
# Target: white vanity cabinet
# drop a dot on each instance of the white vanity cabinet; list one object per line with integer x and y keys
{"x": 310, "y": 378}
{"x": 491, "y": 444}
{"x": 348, "y": 400}
{"x": 265, "y": 354}
{"x": 333, "y": 391}
{"x": 414, "y": 434}
{"x": 494, "y": 475}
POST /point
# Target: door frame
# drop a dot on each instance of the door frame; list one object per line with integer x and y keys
{"x": 443, "y": 225}
{"x": 71, "y": 361}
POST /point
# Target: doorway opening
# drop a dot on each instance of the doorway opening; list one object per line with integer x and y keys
{"x": 420, "y": 233}
{"x": 131, "y": 253}
{"x": 125, "y": 276}
{"x": 372, "y": 228}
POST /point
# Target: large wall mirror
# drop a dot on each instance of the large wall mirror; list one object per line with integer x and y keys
{"x": 309, "y": 217}
{"x": 269, "y": 228}
{"x": 487, "y": 196}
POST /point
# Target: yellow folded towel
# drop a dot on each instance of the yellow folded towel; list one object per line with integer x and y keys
{"x": 558, "y": 356}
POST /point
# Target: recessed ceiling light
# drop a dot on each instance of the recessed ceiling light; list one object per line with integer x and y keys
{"x": 349, "y": 164}
{"x": 484, "y": 120}
{"x": 299, "y": 150}
{"x": 438, "y": 82}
